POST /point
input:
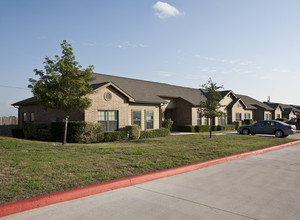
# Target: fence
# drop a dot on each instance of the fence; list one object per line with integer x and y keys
{"x": 8, "y": 123}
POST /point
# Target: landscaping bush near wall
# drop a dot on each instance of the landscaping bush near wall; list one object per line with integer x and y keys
{"x": 282, "y": 119}
{"x": 237, "y": 124}
{"x": 202, "y": 128}
{"x": 161, "y": 132}
{"x": 248, "y": 122}
{"x": 186, "y": 128}
{"x": 85, "y": 132}
{"x": 167, "y": 124}
{"x": 78, "y": 132}
{"x": 17, "y": 133}
{"x": 115, "y": 136}
{"x": 31, "y": 130}
{"x": 223, "y": 127}
{"x": 133, "y": 132}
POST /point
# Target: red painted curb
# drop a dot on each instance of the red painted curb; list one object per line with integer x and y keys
{"x": 41, "y": 201}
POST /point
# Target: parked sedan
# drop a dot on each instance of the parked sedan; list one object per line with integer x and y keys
{"x": 277, "y": 128}
{"x": 294, "y": 121}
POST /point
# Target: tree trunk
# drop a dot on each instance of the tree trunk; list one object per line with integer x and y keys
{"x": 66, "y": 129}
{"x": 210, "y": 127}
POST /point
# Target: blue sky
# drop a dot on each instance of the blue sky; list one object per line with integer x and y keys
{"x": 249, "y": 46}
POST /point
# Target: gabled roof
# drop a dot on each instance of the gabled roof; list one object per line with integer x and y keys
{"x": 286, "y": 109}
{"x": 28, "y": 101}
{"x": 107, "y": 84}
{"x": 274, "y": 105}
{"x": 140, "y": 91}
{"x": 227, "y": 92}
{"x": 237, "y": 100}
{"x": 151, "y": 92}
{"x": 297, "y": 107}
{"x": 253, "y": 103}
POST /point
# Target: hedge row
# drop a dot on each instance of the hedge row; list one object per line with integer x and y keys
{"x": 84, "y": 132}
{"x": 204, "y": 128}
{"x": 161, "y": 132}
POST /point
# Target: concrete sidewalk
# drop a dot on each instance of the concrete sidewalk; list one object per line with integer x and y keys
{"x": 259, "y": 187}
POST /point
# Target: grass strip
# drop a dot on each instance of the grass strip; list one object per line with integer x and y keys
{"x": 32, "y": 168}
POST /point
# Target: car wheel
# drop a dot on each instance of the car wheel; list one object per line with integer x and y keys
{"x": 246, "y": 132}
{"x": 278, "y": 133}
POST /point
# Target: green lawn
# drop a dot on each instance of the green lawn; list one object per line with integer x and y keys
{"x": 33, "y": 168}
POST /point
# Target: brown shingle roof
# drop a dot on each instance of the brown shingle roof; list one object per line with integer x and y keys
{"x": 142, "y": 91}
{"x": 28, "y": 101}
{"x": 252, "y": 103}
{"x": 151, "y": 92}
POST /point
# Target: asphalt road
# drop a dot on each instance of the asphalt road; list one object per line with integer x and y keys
{"x": 265, "y": 186}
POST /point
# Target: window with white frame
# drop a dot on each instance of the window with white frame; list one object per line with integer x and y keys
{"x": 149, "y": 119}
{"x": 238, "y": 116}
{"x": 199, "y": 117}
{"x": 108, "y": 119}
{"x": 136, "y": 117}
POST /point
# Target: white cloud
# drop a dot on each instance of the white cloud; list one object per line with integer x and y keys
{"x": 166, "y": 74}
{"x": 233, "y": 62}
{"x": 165, "y": 10}
{"x": 127, "y": 44}
{"x": 266, "y": 77}
{"x": 280, "y": 70}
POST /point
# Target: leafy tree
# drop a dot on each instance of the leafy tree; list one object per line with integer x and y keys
{"x": 63, "y": 85}
{"x": 210, "y": 107}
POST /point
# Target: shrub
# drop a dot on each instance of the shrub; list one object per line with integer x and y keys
{"x": 282, "y": 119}
{"x": 237, "y": 124}
{"x": 167, "y": 123}
{"x": 133, "y": 132}
{"x": 202, "y": 128}
{"x": 186, "y": 128}
{"x": 115, "y": 136}
{"x": 44, "y": 135}
{"x": 161, "y": 132}
{"x": 248, "y": 121}
{"x": 229, "y": 127}
{"x": 31, "y": 130}
{"x": 17, "y": 133}
{"x": 78, "y": 132}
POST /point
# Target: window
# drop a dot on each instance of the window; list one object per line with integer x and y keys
{"x": 268, "y": 116}
{"x": 31, "y": 116}
{"x": 108, "y": 119}
{"x": 136, "y": 118}
{"x": 238, "y": 116}
{"x": 222, "y": 120}
{"x": 24, "y": 117}
{"x": 206, "y": 121}
{"x": 278, "y": 116}
{"x": 149, "y": 119}
{"x": 247, "y": 116}
{"x": 199, "y": 116}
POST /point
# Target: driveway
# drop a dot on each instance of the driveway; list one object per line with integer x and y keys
{"x": 265, "y": 186}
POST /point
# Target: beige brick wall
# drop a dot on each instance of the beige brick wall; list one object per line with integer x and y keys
{"x": 183, "y": 112}
{"x": 143, "y": 108}
{"x": 277, "y": 112}
{"x": 238, "y": 108}
{"x": 42, "y": 115}
{"x": 117, "y": 102}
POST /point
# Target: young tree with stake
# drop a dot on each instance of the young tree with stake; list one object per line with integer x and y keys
{"x": 210, "y": 107}
{"x": 63, "y": 85}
